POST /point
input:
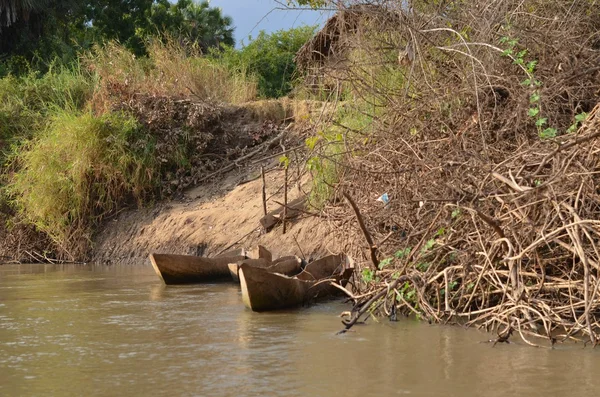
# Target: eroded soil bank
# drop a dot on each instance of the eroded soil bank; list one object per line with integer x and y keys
{"x": 213, "y": 217}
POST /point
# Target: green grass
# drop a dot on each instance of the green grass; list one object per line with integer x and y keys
{"x": 77, "y": 171}
{"x": 26, "y": 102}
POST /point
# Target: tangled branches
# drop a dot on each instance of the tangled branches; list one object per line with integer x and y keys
{"x": 480, "y": 122}
{"x": 525, "y": 257}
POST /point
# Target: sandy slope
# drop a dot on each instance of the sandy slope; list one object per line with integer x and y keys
{"x": 207, "y": 220}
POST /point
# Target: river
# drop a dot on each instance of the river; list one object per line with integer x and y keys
{"x": 117, "y": 331}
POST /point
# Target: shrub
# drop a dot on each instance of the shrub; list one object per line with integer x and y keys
{"x": 78, "y": 171}
{"x": 25, "y": 102}
{"x": 270, "y": 57}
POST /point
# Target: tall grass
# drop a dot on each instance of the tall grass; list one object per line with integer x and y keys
{"x": 26, "y": 102}
{"x": 169, "y": 70}
{"x": 78, "y": 170}
{"x": 70, "y": 156}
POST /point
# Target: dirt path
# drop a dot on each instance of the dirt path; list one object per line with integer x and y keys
{"x": 208, "y": 219}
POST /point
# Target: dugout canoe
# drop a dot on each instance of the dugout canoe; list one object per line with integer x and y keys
{"x": 288, "y": 265}
{"x": 190, "y": 269}
{"x": 263, "y": 291}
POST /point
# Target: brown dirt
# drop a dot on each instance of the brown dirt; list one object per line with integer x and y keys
{"x": 210, "y": 218}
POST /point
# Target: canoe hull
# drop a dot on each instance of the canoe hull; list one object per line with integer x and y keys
{"x": 189, "y": 269}
{"x": 263, "y": 291}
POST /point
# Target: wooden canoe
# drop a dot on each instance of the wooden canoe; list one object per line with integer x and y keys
{"x": 262, "y": 290}
{"x": 288, "y": 265}
{"x": 260, "y": 252}
{"x": 189, "y": 269}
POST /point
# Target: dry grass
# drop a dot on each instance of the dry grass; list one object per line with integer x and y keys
{"x": 171, "y": 70}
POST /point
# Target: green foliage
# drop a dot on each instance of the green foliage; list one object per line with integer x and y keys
{"x": 197, "y": 23}
{"x": 27, "y": 101}
{"x": 402, "y": 253}
{"x": 368, "y": 275}
{"x": 78, "y": 170}
{"x": 385, "y": 263}
{"x": 270, "y": 57}
{"x": 579, "y": 119}
{"x": 59, "y": 31}
{"x": 310, "y": 3}
{"x": 406, "y": 293}
{"x": 534, "y": 112}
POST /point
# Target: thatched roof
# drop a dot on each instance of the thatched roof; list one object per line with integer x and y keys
{"x": 327, "y": 41}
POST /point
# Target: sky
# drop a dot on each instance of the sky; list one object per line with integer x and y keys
{"x": 252, "y": 16}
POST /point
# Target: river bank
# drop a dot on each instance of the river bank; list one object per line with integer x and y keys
{"x": 207, "y": 219}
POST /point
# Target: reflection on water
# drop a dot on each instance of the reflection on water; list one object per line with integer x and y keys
{"x": 117, "y": 331}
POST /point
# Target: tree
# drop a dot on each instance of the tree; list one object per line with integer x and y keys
{"x": 41, "y": 31}
{"x": 310, "y": 3}
{"x": 271, "y": 58}
{"x": 195, "y": 22}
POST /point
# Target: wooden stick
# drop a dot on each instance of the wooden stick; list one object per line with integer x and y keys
{"x": 361, "y": 223}
{"x": 285, "y": 189}
{"x": 264, "y": 190}
{"x": 300, "y": 248}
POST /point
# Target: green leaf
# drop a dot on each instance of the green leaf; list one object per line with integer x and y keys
{"x": 429, "y": 244}
{"x": 456, "y": 213}
{"x": 548, "y": 133}
{"x": 526, "y": 82}
{"x": 572, "y": 129}
{"x": 312, "y": 142}
{"x": 535, "y": 97}
{"x": 531, "y": 66}
{"x": 507, "y": 52}
{"x": 532, "y": 112}
{"x": 285, "y": 161}
{"x": 385, "y": 262}
{"x": 541, "y": 121}
{"x": 580, "y": 118}
{"x": 402, "y": 253}
{"x": 367, "y": 275}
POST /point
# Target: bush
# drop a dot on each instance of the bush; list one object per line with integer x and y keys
{"x": 270, "y": 57}
{"x": 76, "y": 172}
{"x": 26, "y": 102}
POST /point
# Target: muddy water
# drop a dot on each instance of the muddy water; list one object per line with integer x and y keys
{"x": 116, "y": 331}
